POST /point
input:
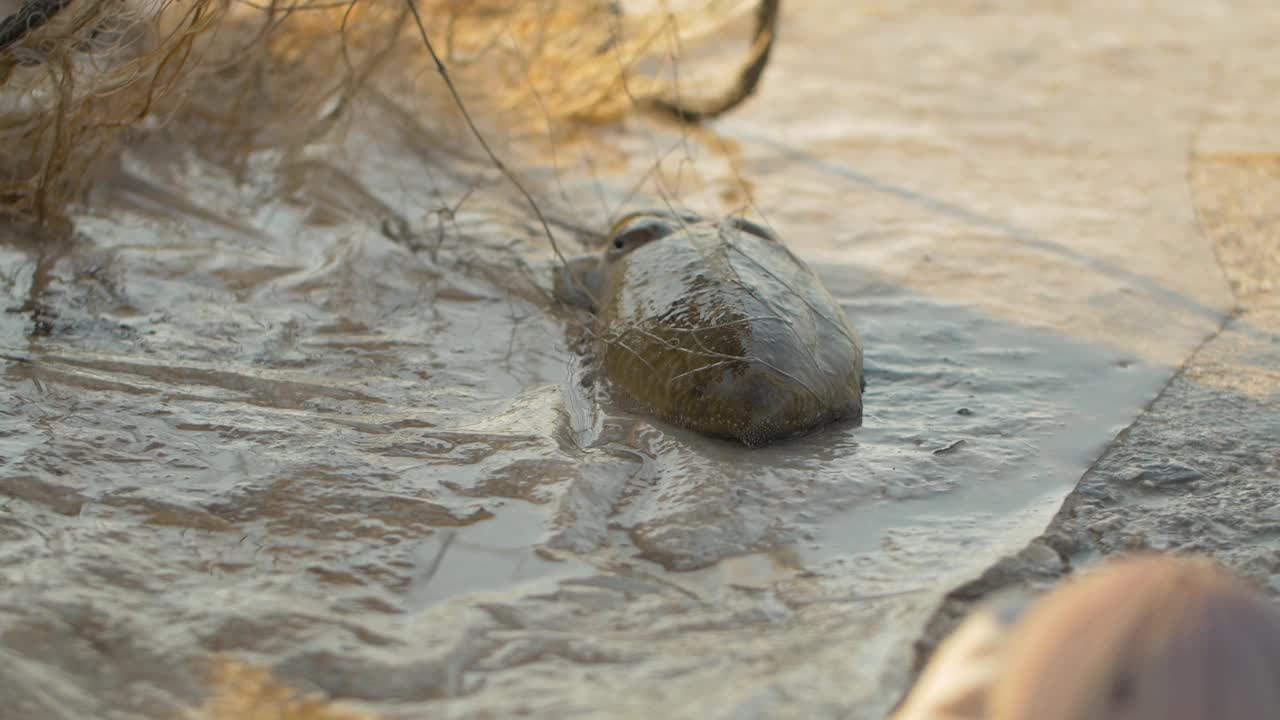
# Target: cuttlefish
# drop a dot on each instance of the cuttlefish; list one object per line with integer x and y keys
{"x": 718, "y": 327}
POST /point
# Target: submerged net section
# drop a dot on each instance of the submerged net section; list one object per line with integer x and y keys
{"x": 78, "y": 78}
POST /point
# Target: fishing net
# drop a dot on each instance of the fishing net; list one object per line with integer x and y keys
{"x": 80, "y": 79}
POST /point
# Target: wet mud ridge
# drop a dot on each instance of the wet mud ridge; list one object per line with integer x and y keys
{"x": 1199, "y": 470}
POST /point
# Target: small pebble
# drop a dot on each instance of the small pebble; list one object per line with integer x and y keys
{"x": 1168, "y": 474}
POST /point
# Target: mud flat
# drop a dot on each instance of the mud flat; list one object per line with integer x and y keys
{"x": 308, "y": 419}
{"x": 1199, "y": 470}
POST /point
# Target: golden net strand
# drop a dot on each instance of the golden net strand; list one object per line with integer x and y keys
{"x": 247, "y": 71}
{"x": 696, "y": 110}
{"x": 484, "y": 144}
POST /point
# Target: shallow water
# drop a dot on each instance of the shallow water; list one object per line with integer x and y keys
{"x": 254, "y": 418}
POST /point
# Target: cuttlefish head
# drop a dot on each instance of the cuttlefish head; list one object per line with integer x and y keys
{"x": 580, "y": 281}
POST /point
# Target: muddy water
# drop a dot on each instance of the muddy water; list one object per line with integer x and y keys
{"x": 307, "y": 420}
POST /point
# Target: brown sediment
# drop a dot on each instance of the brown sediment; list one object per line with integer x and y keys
{"x": 245, "y": 692}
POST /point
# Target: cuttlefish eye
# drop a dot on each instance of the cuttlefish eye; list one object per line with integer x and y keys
{"x": 754, "y": 228}
{"x": 639, "y": 229}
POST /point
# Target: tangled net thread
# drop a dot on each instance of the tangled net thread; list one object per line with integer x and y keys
{"x": 78, "y": 76}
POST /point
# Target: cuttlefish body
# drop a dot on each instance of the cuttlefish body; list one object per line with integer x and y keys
{"x": 717, "y": 327}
